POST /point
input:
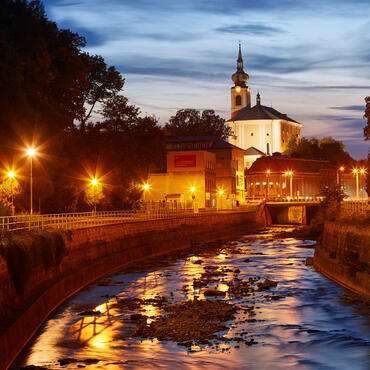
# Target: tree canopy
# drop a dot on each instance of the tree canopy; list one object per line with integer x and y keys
{"x": 69, "y": 105}
{"x": 191, "y": 122}
{"x": 325, "y": 149}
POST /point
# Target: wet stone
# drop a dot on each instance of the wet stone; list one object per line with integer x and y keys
{"x": 266, "y": 284}
{"x": 90, "y": 313}
{"x": 193, "y": 322}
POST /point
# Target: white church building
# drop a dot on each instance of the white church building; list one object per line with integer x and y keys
{"x": 259, "y": 130}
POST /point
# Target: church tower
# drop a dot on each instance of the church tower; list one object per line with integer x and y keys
{"x": 240, "y": 93}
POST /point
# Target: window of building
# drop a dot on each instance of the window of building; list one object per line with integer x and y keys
{"x": 251, "y": 133}
{"x": 268, "y": 134}
{"x": 268, "y": 148}
{"x": 238, "y": 100}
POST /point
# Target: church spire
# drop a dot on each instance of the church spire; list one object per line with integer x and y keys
{"x": 258, "y": 99}
{"x": 239, "y": 64}
{"x": 240, "y": 77}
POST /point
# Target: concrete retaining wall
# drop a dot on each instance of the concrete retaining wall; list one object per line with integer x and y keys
{"x": 343, "y": 255}
{"x": 94, "y": 252}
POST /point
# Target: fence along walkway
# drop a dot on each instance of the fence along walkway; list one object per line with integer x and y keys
{"x": 88, "y": 219}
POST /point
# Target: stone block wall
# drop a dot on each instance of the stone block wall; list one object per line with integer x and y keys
{"x": 93, "y": 252}
{"x": 343, "y": 255}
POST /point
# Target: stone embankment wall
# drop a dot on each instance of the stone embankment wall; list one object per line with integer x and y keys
{"x": 90, "y": 253}
{"x": 343, "y": 255}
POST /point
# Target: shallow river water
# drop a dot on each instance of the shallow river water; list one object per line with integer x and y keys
{"x": 305, "y": 322}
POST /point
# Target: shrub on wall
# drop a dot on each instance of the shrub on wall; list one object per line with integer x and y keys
{"x": 32, "y": 251}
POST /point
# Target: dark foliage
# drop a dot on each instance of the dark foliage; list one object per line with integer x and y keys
{"x": 190, "y": 122}
{"x": 51, "y": 93}
{"x": 325, "y": 149}
{"x": 24, "y": 253}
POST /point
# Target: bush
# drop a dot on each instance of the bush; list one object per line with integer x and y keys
{"x": 31, "y": 251}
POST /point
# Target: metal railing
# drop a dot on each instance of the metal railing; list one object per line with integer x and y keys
{"x": 355, "y": 208}
{"x": 89, "y": 219}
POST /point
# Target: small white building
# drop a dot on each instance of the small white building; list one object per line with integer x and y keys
{"x": 259, "y": 128}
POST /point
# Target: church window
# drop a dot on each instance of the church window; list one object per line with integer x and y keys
{"x": 268, "y": 134}
{"x": 238, "y": 100}
{"x": 251, "y": 133}
{"x": 268, "y": 148}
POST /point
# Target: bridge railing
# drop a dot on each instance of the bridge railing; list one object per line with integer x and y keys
{"x": 88, "y": 219}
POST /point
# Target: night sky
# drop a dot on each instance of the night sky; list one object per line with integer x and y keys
{"x": 307, "y": 58}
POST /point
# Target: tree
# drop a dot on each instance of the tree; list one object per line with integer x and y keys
{"x": 325, "y": 149}
{"x": 190, "y": 122}
{"x": 367, "y": 137}
{"x": 118, "y": 114}
{"x": 102, "y": 83}
{"x": 367, "y": 116}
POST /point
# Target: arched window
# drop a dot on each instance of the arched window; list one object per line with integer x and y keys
{"x": 238, "y": 100}
{"x": 268, "y": 148}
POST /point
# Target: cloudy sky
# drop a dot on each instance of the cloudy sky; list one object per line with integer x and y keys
{"x": 307, "y": 58}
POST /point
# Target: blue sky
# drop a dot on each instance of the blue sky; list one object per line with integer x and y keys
{"x": 307, "y": 58}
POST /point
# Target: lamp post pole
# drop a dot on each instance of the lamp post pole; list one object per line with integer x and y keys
{"x": 290, "y": 173}
{"x": 221, "y": 192}
{"x": 267, "y": 183}
{"x": 11, "y": 175}
{"x": 31, "y": 152}
{"x": 339, "y": 176}
{"x": 355, "y": 171}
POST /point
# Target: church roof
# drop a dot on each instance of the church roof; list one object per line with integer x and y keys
{"x": 259, "y": 112}
{"x": 253, "y": 151}
{"x": 212, "y": 142}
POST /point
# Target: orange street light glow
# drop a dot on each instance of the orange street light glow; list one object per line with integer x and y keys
{"x": 11, "y": 174}
{"x": 94, "y": 182}
{"x": 146, "y": 186}
{"x": 341, "y": 168}
{"x": 355, "y": 170}
{"x": 192, "y": 189}
{"x": 220, "y": 192}
{"x": 362, "y": 170}
{"x": 31, "y": 152}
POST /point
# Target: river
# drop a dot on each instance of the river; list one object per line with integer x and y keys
{"x": 305, "y": 322}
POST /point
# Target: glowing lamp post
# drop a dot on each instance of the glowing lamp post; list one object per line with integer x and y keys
{"x": 362, "y": 172}
{"x": 94, "y": 183}
{"x": 221, "y": 193}
{"x": 11, "y": 175}
{"x": 31, "y": 153}
{"x": 145, "y": 188}
{"x": 267, "y": 183}
{"x": 339, "y": 175}
{"x": 290, "y": 173}
{"x": 192, "y": 190}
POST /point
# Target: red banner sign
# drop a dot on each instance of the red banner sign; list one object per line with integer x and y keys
{"x": 185, "y": 161}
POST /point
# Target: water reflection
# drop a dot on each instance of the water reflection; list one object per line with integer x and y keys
{"x": 300, "y": 324}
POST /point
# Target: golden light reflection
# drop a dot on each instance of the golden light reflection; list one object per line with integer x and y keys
{"x": 223, "y": 287}
{"x": 222, "y": 255}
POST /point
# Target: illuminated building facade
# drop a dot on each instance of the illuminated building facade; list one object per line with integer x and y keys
{"x": 204, "y": 170}
{"x": 259, "y": 127}
{"x": 280, "y": 177}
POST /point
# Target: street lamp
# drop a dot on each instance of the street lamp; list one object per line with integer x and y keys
{"x": 355, "y": 172}
{"x": 362, "y": 172}
{"x": 94, "y": 183}
{"x": 11, "y": 175}
{"x": 31, "y": 152}
{"x": 267, "y": 183}
{"x": 192, "y": 190}
{"x": 339, "y": 175}
{"x": 221, "y": 192}
{"x": 290, "y": 173}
